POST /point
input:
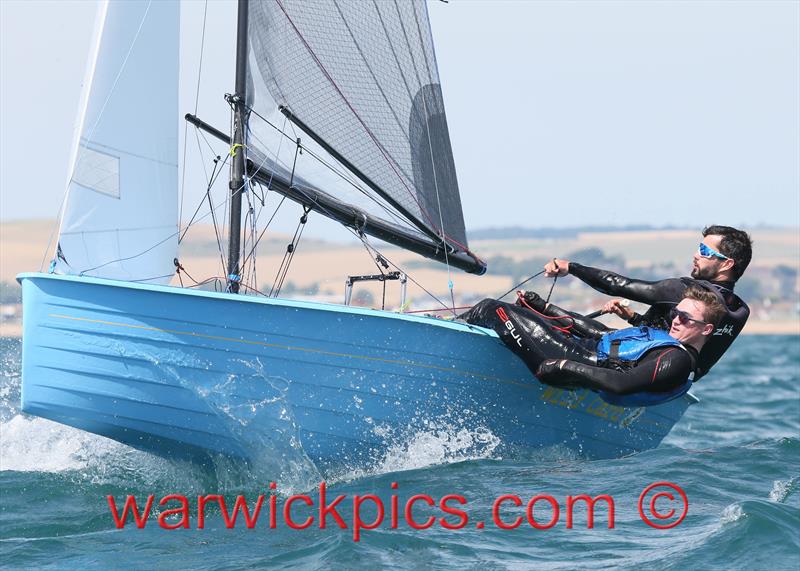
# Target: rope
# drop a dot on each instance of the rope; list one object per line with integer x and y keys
{"x": 520, "y": 284}
{"x": 565, "y": 329}
{"x": 552, "y": 287}
{"x": 214, "y": 175}
{"x": 210, "y": 183}
{"x": 179, "y": 268}
{"x": 283, "y": 198}
{"x": 283, "y": 270}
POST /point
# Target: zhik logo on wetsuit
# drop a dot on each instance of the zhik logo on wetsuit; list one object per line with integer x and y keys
{"x": 501, "y": 313}
{"x": 726, "y": 330}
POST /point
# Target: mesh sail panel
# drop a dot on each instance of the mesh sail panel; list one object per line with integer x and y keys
{"x": 362, "y": 75}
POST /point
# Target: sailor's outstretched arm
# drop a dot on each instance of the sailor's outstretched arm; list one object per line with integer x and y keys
{"x": 614, "y": 284}
{"x": 659, "y": 370}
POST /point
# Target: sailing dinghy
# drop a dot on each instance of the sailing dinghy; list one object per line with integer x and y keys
{"x": 111, "y": 348}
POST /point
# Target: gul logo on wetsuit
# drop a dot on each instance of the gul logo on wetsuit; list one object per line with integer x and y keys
{"x": 501, "y": 313}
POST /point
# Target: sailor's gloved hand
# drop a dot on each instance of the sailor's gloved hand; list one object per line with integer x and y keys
{"x": 533, "y": 300}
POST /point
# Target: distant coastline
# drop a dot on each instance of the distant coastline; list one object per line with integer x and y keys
{"x": 771, "y": 284}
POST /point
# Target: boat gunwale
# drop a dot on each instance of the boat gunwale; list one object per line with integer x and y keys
{"x": 279, "y": 302}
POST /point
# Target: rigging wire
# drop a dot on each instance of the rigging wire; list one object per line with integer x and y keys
{"x": 302, "y": 221}
{"x": 283, "y": 198}
{"x": 196, "y": 104}
{"x": 214, "y": 176}
{"x": 210, "y": 183}
{"x": 374, "y": 251}
{"x": 283, "y": 269}
{"x": 290, "y": 249}
{"x": 341, "y": 173}
{"x": 250, "y": 257}
{"x": 172, "y": 235}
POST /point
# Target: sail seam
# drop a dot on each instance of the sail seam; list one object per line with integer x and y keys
{"x": 137, "y": 229}
{"x": 119, "y": 73}
{"x": 89, "y": 144}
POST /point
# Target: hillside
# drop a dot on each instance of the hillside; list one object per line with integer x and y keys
{"x": 319, "y": 268}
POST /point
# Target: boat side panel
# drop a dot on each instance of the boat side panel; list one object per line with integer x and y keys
{"x": 224, "y": 374}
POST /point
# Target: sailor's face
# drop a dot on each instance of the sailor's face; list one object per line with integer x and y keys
{"x": 692, "y": 329}
{"x": 707, "y": 268}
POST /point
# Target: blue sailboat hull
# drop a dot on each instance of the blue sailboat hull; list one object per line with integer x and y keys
{"x": 184, "y": 373}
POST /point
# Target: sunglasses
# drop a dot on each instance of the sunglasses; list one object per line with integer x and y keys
{"x": 708, "y": 253}
{"x": 683, "y": 317}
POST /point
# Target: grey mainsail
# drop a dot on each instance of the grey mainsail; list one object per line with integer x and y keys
{"x": 361, "y": 78}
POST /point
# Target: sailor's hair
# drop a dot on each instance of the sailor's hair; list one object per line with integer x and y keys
{"x": 735, "y": 243}
{"x": 713, "y": 310}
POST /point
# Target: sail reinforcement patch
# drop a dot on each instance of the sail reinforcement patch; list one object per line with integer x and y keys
{"x": 97, "y": 171}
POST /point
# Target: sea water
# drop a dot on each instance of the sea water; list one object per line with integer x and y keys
{"x": 735, "y": 456}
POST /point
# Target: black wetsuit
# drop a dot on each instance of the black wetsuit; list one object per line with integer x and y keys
{"x": 533, "y": 337}
{"x": 662, "y": 296}
{"x": 658, "y": 370}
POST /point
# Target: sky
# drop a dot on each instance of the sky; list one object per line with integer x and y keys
{"x": 560, "y": 113}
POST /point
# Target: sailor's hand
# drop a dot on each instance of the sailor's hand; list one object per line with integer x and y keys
{"x": 556, "y": 267}
{"x": 619, "y": 307}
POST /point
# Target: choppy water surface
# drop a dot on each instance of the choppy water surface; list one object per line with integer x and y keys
{"x": 736, "y": 455}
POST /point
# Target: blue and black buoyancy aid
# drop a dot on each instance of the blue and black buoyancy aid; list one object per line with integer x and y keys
{"x": 623, "y": 348}
{"x": 630, "y": 344}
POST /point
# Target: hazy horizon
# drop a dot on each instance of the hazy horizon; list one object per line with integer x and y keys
{"x": 560, "y": 114}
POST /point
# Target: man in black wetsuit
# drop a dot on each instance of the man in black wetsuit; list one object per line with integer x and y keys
{"x": 720, "y": 260}
{"x": 650, "y": 361}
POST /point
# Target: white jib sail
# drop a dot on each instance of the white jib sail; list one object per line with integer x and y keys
{"x": 120, "y": 220}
